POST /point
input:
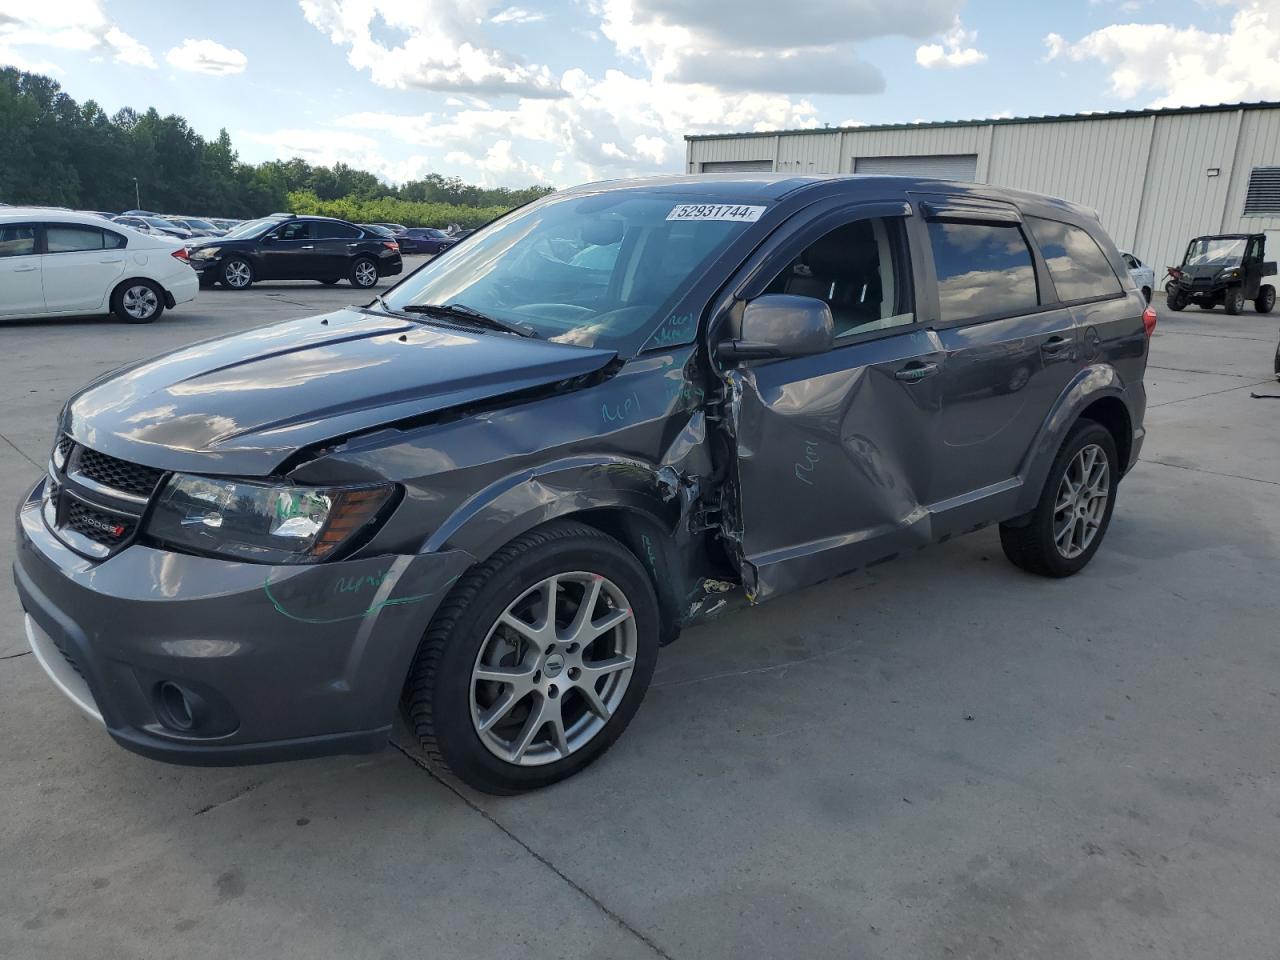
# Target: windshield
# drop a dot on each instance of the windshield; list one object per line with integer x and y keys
{"x": 598, "y": 270}
{"x": 1224, "y": 251}
{"x": 200, "y": 224}
{"x": 251, "y": 228}
{"x": 160, "y": 222}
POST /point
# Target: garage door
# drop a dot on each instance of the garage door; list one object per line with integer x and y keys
{"x": 738, "y": 166}
{"x": 951, "y": 166}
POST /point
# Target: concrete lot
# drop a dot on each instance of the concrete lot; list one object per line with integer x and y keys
{"x": 941, "y": 758}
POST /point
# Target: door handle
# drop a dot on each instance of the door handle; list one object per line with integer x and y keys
{"x": 1055, "y": 346}
{"x": 112, "y": 260}
{"x": 307, "y": 247}
{"x": 24, "y": 269}
{"x": 916, "y": 371}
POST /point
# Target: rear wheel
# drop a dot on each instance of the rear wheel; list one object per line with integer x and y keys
{"x": 1069, "y": 522}
{"x": 137, "y": 301}
{"x": 1266, "y": 298}
{"x": 1146, "y": 294}
{"x": 537, "y": 661}
{"x": 364, "y": 273}
{"x": 1234, "y": 300}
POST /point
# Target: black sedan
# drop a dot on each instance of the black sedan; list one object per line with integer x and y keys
{"x": 286, "y": 247}
{"x": 425, "y": 240}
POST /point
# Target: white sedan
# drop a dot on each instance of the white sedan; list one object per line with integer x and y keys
{"x": 1143, "y": 276}
{"x": 57, "y": 263}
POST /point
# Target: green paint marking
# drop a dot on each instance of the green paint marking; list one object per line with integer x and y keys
{"x": 266, "y": 586}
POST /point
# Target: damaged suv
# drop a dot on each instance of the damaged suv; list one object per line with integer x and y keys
{"x": 493, "y": 493}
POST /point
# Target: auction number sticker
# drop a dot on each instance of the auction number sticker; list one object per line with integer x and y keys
{"x": 715, "y": 211}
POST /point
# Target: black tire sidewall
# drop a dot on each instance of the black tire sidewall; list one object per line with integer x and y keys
{"x": 1266, "y": 299}
{"x": 1084, "y": 433}
{"x": 1233, "y": 300}
{"x": 351, "y": 275}
{"x": 117, "y": 300}
{"x": 456, "y": 737}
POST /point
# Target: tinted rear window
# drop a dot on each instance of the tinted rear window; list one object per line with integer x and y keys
{"x": 1079, "y": 268}
{"x": 983, "y": 269}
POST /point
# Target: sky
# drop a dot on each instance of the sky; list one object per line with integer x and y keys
{"x": 576, "y": 90}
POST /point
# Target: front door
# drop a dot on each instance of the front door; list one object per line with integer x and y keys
{"x": 21, "y": 292}
{"x": 834, "y": 452}
{"x": 288, "y": 253}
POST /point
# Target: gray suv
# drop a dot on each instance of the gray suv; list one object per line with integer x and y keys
{"x": 492, "y": 494}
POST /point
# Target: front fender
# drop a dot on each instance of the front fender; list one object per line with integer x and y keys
{"x": 1090, "y": 384}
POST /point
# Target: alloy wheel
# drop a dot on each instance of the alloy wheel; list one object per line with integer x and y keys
{"x": 237, "y": 274}
{"x": 553, "y": 669}
{"x": 1081, "y": 504}
{"x": 140, "y": 302}
{"x": 366, "y": 274}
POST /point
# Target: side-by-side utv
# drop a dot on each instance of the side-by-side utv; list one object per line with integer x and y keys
{"x": 1227, "y": 270}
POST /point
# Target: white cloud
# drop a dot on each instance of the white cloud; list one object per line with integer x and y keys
{"x": 953, "y": 51}
{"x": 443, "y": 48}
{"x": 1179, "y": 66}
{"x": 517, "y": 15}
{"x": 206, "y": 56}
{"x": 73, "y": 25}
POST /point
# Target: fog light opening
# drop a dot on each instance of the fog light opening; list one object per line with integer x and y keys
{"x": 175, "y": 709}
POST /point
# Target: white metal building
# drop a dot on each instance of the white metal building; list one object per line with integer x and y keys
{"x": 1156, "y": 177}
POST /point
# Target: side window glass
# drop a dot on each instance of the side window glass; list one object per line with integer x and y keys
{"x": 17, "y": 240}
{"x": 1130, "y": 262}
{"x": 332, "y": 230}
{"x": 113, "y": 241}
{"x": 982, "y": 269}
{"x": 295, "y": 230}
{"x": 69, "y": 238}
{"x": 859, "y": 270}
{"x": 1079, "y": 268}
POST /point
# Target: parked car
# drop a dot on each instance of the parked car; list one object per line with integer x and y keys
{"x": 379, "y": 230}
{"x": 491, "y": 494}
{"x": 223, "y": 224}
{"x": 286, "y": 247}
{"x": 1226, "y": 269}
{"x": 424, "y": 240}
{"x": 393, "y": 227}
{"x": 198, "y": 227}
{"x": 56, "y": 264}
{"x": 166, "y": 227}
{"x": 1144, "y": 278}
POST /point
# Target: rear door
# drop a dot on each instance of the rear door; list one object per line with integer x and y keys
{"x": 21, "y": 292}
{"x": 1011, "y": 349}
{"x": 335, "y": 244}
{"x": 80, "y": 266}
{"x": 833, "y": 452}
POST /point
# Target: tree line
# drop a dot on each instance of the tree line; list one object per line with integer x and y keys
{"x": 57, "y": 152}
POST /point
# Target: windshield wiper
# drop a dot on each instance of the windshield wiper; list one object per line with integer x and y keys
{"x": 460, "y": 311}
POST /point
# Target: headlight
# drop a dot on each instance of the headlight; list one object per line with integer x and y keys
{"x": 1229, "y": 274}
{"x": 262, "y": 523}
{"x": 205, "y": 253}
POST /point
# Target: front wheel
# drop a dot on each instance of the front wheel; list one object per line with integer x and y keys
{"x": 1233, "y": 300}
{"x": 237, "y": 273}
{"x": 364, "y": 273}
{"x": 537, "y": 661}
{"x": 1175, "y": 298}
{"x": 1266, "y": 298}
{"x": 137, "y": 301}
{"x": 1069, "y": 522}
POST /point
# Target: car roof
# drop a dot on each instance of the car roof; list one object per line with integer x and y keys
{"x": 49, "y": 215}
{"x": 1226, "y": 236}
{"x": 746, "y": 187}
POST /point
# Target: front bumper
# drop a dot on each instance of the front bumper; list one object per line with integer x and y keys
{"x": 275, "y": 662}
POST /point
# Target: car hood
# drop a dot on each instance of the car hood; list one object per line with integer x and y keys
{"x": 243, "y": 404}
{"x": 1206, "y": 271}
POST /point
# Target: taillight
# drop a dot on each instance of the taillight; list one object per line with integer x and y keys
{"x": 181, "y": 254}
{"x": 1149, "y": 320}
{"x": 391, "y": 244}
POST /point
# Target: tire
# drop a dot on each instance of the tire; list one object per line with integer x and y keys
{"x": 237, "y": 273}
{"x": 1266, "y": 299}
{"x": 137, "y": 301}
{"x": 364, "y": 273}
{"x": 447, "y": 704}
{"x": 1233, "y": 300}
{"x": 1146, "y": 294}
{"x": 1034, "y": 546}
{"x": 1176, "y": 300}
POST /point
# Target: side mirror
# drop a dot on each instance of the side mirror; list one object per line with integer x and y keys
{"x": 270, "y": 238}
{"x": 779, "y": 325}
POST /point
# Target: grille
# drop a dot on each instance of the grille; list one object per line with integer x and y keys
{"x": 66, "y": 656}
{"x": 118, "y": 474}
{"x": 108, "y": 529}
